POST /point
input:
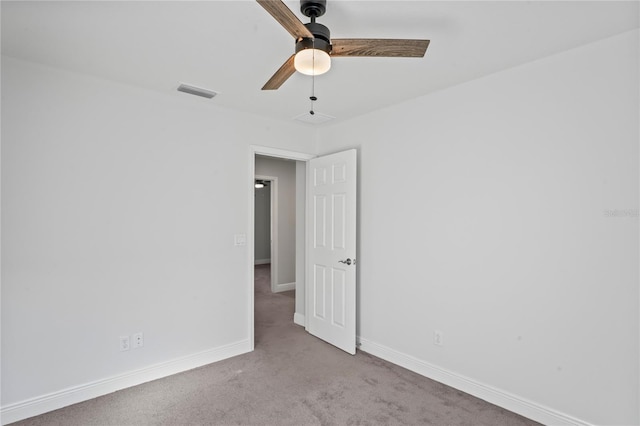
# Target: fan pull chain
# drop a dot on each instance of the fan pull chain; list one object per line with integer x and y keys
{"x": 313, "y": 78}
{"x": 313, "y": 94}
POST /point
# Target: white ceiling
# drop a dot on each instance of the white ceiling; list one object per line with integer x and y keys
{"x": 233, "y": 47}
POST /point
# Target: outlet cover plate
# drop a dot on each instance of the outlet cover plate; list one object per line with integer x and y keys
{"x": 138, "y": 340}
{"x": 438, "y": 338}
{"x": 125, "y": 343}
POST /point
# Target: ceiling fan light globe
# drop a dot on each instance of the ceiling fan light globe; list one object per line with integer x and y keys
{"x": 304, "y": 62}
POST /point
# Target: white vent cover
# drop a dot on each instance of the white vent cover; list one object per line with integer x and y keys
{"x": 316, "y": 118}
{"x": 198, "y": 91}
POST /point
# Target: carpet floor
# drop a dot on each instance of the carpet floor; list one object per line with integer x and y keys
{"x": 291, "y": 378}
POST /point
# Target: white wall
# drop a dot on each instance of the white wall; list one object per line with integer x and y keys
{"x": 262, "y": 225}
{"x": 114, "y": 221}
{"x": 285, "y": 171}
{"x": 485, "y": 213}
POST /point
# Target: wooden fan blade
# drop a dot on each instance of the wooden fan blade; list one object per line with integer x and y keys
{"x": 379, "y": 47}
{"x": 286, "y": 70}
{"x": 286, "y": 18}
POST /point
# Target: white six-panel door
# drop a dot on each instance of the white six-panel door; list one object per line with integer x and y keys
{"x": 331, "y": 249}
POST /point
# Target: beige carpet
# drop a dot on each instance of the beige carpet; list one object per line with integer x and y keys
{"x": 291, "y": 378}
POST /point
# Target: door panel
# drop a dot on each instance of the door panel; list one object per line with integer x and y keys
{"x": 319, "y": 284}
{"x": 331, "y": 227}
{"x": 320, "y": 221}
{"x": 339, "y": 294}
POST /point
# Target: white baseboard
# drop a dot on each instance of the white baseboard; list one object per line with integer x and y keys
{"x": 53, "y": 401}
{"x": 285, "y": 287}
{"x": 299, "y": 319}
{"x": 261, "y": 261}
{"x": 488, "y": 393}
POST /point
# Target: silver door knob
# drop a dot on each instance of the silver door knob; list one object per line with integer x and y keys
{"x": 346, "y": 262}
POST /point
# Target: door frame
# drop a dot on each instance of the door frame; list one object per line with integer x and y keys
{"x": 269, "y": 152}
{"x": 273, "y": 224}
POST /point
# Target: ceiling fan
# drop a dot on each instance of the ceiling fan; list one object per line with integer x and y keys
{"x": 315, "y": 47}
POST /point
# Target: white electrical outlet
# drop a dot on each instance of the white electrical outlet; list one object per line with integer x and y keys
{"x": 125, "y": 343}
{"x": 138, "y": 340}
{"x": 438, "y": 338}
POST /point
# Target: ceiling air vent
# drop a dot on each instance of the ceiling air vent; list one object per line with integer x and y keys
{"x": 198, "y": 91}
{"x": 316, "y": 118}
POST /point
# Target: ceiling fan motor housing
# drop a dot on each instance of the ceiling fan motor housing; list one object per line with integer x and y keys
{"x": 321, "y": 40}
{"x": 313, "y": 8}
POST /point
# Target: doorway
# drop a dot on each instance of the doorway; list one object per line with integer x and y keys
{"x": 294, "y": 277}
{"x": 279, "y": 176}
{"x": 325, "y": 243}
{"x": 266, "y": 235}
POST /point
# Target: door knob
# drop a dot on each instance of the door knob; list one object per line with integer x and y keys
{"x": 346, "y": 262}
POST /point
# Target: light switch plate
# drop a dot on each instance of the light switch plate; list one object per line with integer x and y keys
{"x": 240, "y": 239}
